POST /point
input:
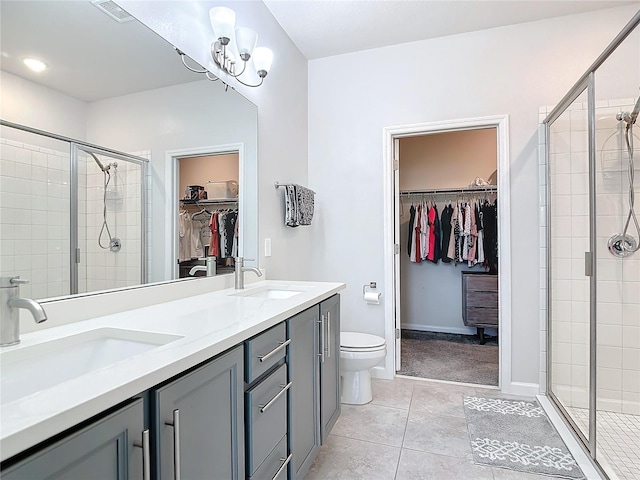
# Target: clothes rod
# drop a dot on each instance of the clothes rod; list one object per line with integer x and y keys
{"x": 487, "y": 189}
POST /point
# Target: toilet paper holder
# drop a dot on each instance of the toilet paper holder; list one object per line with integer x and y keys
{"x": 369, "y": 296}
{"x": 371, "y": 285}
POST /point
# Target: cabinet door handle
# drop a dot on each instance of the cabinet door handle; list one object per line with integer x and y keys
{"x": 281, "y": 345}
{"x": 283, "y": 466}
{"x": 329, "y": 334}
{"x": 322, "y": 343}
{"x": 266, "y": 406}
{"x": 176, "y": 443}
{"x": 146, "y": 456}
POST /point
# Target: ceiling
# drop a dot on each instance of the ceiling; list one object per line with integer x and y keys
{"x": 322, "y": 28}
{"x": 90, "y": 55}
{"x": 93, "y": 57}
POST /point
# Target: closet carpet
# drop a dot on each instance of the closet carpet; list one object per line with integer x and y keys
{"x": 446, "y": 356}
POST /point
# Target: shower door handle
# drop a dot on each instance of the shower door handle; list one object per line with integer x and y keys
{"x": 588, "y": 264}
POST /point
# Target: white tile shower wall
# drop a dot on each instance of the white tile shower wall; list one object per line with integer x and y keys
{"x": 103, "y": 268}
{"x": 618, "y": 287}
{"x": 34, "y": 217}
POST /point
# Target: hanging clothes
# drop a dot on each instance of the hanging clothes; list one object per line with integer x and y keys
{"x": 480, "y": 246}
{"x": 454, "y": 241}
{"x": 424, "y": 233}
{"x": 214, "y": 244}
{"x": 411, "y": 238}
{"x": 433, "y": 215}
{"x": 490, "y": 220}
{"x": 445, "y": 222}
{"x": 417, "y": 228}
{"x": 184, "y": 236}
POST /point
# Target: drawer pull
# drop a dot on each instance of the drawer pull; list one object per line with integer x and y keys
{"x": 322, "y": 339}
{"x": 146, "y": 459}
{"x": 176, "y": 443}
{"x": 281, "y": 345}
{"x": 266, "y": 406}
{"x": 283, "y": 466}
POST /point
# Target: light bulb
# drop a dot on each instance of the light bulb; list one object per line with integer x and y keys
{"x": 35, "y": 64}
{"x": 246, "y": 40}
{"x": 262, "y": 60}
{"x": 223, "y": 21}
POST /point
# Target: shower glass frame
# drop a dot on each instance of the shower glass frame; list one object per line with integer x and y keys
{"x": 75, "y": 146}
{"x": 586, "y": 82}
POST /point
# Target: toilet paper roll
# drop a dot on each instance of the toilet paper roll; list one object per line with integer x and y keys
{"x": 372, "y": 297}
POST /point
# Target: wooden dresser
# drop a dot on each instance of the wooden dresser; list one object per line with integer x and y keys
{"x": 480, "y": 301}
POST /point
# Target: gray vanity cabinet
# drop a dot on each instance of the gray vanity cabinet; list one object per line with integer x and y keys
{"x": 314, "y": 369}
{"x": 304, "y": 372}
{"x": 105, "y": 449}
{"x": 200, "y": 422}
{"x": 329, "y": 365}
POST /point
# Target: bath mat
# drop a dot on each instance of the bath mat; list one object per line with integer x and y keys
{"x": 517, "y": 435}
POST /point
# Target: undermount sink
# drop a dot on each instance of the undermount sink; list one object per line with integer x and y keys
{"x": 34, "y": 368}
{"x": 270, "y": 292}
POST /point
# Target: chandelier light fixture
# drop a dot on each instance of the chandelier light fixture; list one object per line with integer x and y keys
{"x": 223, "y": 22}
{"x": 231, "y": 43}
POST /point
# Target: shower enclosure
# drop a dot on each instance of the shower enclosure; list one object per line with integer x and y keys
{"x": 593, "y": 264}
{"x": 72, "y": 215}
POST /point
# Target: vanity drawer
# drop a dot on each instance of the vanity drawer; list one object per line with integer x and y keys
{"x": 266, "y": 417}
{"x": 275, "y": 466}
{"x": 263, "y": 351}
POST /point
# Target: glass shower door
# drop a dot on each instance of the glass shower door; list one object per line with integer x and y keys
{"x": 569, "y": 240}
{"x": 109, "y": 250}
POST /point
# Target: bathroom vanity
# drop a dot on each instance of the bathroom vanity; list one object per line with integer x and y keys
{"x": 226, "y": 385}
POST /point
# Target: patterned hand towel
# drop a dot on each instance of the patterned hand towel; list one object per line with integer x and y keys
{"x": 305, "y": 205}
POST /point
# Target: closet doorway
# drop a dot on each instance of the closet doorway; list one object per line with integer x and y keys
{"x": 205, "y": 208}
{"x": 447, "y": 309}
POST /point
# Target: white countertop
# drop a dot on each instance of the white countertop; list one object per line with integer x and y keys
{"x": 209, "y": 324}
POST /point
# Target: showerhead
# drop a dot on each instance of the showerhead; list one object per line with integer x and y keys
{"x": 630, "y": 117}
{"x": 102, "y": 167}
{"x": 636, "y": 110}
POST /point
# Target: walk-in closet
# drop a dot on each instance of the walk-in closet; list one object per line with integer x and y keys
{"x": 208, "y": 214}
{"x": 448, "y": 221}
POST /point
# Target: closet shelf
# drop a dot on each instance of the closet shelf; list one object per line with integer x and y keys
{"x": 211, "y": 201}
{"x": 435, "y": 191}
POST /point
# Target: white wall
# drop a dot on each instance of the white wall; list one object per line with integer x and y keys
{"x": 28, "y": 103}
{"x": 173, "y": 118}
{"x": 282, "y": 113}
{"x": 510, "y": 70}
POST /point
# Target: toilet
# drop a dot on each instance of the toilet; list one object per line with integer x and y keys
{"x": 359, "y": 352}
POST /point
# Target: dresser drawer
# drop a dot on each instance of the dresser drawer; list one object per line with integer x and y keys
{"x": 264, "y": 351}
{"x": 481, "y": 299}
{"x": 275, "y": 466}
{"x": 481, "y": 282}
{"x": 266, "y": 417}
{"x": 487, "y": 317}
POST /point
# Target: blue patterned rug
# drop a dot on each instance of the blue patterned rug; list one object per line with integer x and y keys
{"x": 517, "y": 435}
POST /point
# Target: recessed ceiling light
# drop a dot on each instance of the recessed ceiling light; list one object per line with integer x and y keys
{"x": 35, "y": 64}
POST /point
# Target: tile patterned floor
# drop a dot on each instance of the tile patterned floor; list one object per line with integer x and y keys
{"x": 618, "y": 437}
{"x": 412, "y": 430}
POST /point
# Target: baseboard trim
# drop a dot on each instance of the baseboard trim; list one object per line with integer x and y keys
{"x": 439, "y": 329}
{"x": 522, "y": 388}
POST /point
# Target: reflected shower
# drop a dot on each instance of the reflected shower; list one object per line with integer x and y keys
{"x": 624, "y": 244}
{"x": 115, "y": 244}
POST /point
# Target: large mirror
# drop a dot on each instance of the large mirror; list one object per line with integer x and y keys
{"x": 117, "y": 88}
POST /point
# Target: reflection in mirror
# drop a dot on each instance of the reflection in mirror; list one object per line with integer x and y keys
{"x": 117, "y": 85}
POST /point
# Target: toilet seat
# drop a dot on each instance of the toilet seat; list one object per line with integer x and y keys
{"x": 360, "y": 342}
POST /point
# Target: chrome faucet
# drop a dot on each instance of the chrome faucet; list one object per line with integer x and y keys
{"x": 209, "y": 267}
{"x": 9, "y": 310}
{"x": 239, "y": 273}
